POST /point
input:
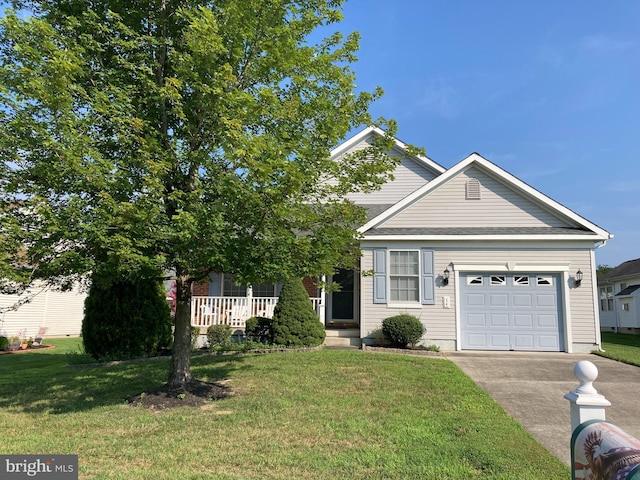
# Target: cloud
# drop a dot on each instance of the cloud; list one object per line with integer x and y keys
{"x": 606, "y": 44}
{"x": 441, "y": 99}
{"x": 623, "y": 186}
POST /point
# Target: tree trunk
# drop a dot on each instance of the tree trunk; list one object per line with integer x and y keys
{"x": 181, "y": 355}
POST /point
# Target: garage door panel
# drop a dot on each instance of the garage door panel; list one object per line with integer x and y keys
{"x": 523, "y": 320}
{"x": 523, "y": 341}
{"x": 475, "y": 299}
{"x": 548, "y": 343}
{"x": 499, "y": 341}
{"x": 477, "y": 320}
{"x": 511, "y": 315}
{"x": 499, "y": 320}
{"x": 498, "y": 300}
{"x": 477, "y": 341}
{"x": 522, "y": 300}
{"x": 545, "y": 300}
{"x": 547, "y": 321}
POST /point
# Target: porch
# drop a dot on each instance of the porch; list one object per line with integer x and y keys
{"x": 234, "y": 311}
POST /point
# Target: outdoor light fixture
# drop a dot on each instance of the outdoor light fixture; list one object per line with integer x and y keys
{"x": 578, "y": 280}
{"x": 445, "y": 277}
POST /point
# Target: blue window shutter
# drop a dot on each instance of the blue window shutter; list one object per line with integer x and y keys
{"x": 380, "y": 275}
{"x": 214, "y": 284}
{"x": 428, "y": 280}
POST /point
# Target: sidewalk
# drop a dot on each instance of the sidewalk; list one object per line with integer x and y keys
{"x": 531, "y": 388}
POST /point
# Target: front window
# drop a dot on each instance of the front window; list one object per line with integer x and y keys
{"x": 230, "y": 289}
{"x": 606, "y": 299}
{"x": 404, "y": 276}
{"x": 263, "y": 290}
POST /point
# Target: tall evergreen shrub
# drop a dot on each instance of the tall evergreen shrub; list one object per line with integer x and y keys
{"x": 125, "y": 318}
{"x": 295, "y": 323}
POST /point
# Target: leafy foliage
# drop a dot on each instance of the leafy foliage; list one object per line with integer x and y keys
{"x": 4, "y": 343}
{"x": 188, "y": 137}
{"x": 258, "y": 329}
{"x": 125, "y": 318}
{"x": 602, "y": 270}
{"x": 295, "y": 323}
{"x": 219, "y": 336}
{"x": 402, "y": 330}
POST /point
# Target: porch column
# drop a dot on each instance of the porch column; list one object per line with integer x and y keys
{"x": 323, "y": 301}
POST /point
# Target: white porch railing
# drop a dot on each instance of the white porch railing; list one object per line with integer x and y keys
{"x": 234, "y": 311}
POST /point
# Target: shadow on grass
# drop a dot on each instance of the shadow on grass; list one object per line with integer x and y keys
{"x": 46, "y": 383}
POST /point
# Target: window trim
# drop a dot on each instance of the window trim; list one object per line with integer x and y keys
{"x": 382, "y": 277}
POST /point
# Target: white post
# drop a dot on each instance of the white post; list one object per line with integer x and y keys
{"x": 586, "y": 402}
{"x": 323, "y": 300}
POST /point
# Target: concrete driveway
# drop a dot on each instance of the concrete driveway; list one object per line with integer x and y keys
{"x": 531, "y": 388}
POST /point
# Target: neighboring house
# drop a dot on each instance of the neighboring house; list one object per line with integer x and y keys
{"x": 60, "y": 312}
{"x": 619, "y": 295}
{"x": 485, "y": 261}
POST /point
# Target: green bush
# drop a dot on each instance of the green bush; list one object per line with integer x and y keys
{"x": 195, "y": 334}
{"x": 402, "y": 330}
{"x": 4, "y": 343}
{"x": 219, "y": 335}
{"x": 125, "y": 318}
{"x": 295, "y": 323}
{"x": 258, "y": 329}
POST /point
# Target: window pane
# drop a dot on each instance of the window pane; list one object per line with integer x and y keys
{"x": 521, "y": 280}
{"x": 404, "y": 263}
{"x": 230, "y": 289}
{"x": 262, "y": 290}
{"x": 498, "y": 280}
{"x": 404, "y": 289}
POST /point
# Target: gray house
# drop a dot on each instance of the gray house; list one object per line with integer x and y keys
{"x": 619, "y": 298}
{"x": 485, "y": 261}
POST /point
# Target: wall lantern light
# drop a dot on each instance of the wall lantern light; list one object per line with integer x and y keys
{"x": 445, "y": 277}
{"x": 578, "y": 280}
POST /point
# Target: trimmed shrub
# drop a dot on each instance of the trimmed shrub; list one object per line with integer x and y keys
{"x": 195, "y": 335}
{"x": 219, "y": 335}
{"x": 295, "y": 323}
{"x": 4, "y": 343}
{"x": 258, "y": 329}
{"x": 402, "y": 330}
{"x": 125, "y": 318}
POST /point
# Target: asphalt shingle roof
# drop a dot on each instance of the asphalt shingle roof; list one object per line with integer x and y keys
{"x": 627, "y": 291}
{"x": 477, "y": 231}
{"x": 625, "y": 269}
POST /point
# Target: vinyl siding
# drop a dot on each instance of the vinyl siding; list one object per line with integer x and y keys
{"x": 441, "y": 322}
{"x": 499, "y": 206}
{"x": 409, "y": 176}
{"x": 60, "y": 312}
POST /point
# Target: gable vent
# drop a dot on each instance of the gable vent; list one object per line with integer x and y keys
{"x": 472, "y": 189}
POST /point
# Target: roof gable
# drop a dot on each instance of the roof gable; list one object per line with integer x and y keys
{"x": 410, "y": 174}
{"x": 365, "y": 136}
{"x": 533, "y": 208}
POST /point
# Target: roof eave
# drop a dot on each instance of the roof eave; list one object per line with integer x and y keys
{"x": 520, "y": 237}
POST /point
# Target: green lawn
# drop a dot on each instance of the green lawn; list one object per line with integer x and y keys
{"x": 621, "y": 347}
{"x": 328, "y": 414}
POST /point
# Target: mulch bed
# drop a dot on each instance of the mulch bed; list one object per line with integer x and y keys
{"x": 420, "y": 351}
{"x": 193, "y": 394}
{"x": 30, "y": 349}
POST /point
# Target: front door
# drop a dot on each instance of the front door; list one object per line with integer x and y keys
{"x": 342, "y": 301}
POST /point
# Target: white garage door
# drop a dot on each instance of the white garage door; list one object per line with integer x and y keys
{"x": 511, "y": 312}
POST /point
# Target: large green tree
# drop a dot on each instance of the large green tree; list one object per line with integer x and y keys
{"x": 179, "y": 135}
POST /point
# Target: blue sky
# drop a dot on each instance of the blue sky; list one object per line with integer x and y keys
{"x": 547, "y": 90}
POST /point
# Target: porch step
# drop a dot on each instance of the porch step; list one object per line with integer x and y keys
{"x": 343, "y": 338}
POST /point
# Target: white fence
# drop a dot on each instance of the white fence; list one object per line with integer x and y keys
{"x": 234, "y": 311}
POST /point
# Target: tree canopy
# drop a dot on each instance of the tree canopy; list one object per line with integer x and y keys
{"x": 184, "y": 136}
